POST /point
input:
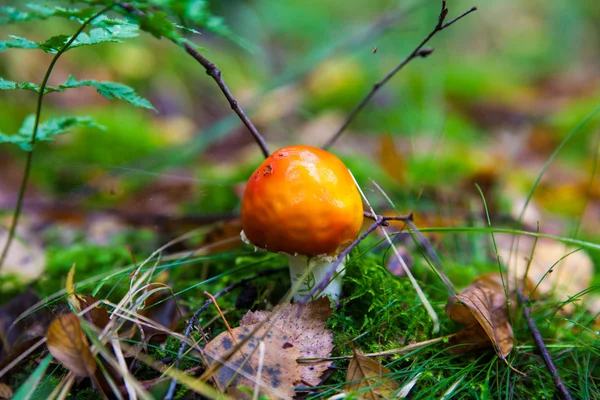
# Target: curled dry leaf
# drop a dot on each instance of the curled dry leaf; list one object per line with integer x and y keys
{"x": 305, "y": 325}
{"x": 68, "y": 344}
{"x": 279, "y": 368}
{"x": 369, "y": 377}
{"x": 5, "y": 391}
{"x": 482, "y": 308}
{"x": 96, "y": 315}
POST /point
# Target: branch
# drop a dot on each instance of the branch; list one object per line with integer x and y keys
{"x": 539, "y": 341}
{"x": 320, "y": 286}
{"x": 419, "y": 51}
{"x": 215, "y": 73}
{"x": 207, "y": 303}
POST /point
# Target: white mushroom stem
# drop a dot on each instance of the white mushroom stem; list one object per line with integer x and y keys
{"x": 311, "y": 271}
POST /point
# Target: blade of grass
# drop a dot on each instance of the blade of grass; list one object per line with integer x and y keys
{"x": 27, "y": 389}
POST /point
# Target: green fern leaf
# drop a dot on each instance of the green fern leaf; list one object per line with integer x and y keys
{"x": 109, "y": 31}
{"x": 159, "y": 25}
{"x": 18, "y": 43}
{"x": 8, "y": 85}
{"x": 46, "y": 130}
{"x": 110, "y": 90}
{"x": 36, "y": 11}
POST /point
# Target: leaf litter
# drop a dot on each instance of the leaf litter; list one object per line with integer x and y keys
{"x": 369, "y": 377}
{"x": 289, "y": 332}
{"x": 482, "y": 308}
{"x": 69, "y": 345}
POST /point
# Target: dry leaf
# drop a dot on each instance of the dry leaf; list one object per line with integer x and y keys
{"x": 483, "y": 303}
{"x": 570, "y": 276}
{"x": 305, "y": 325}
{"x": 371, "y": 377}
{"x": 5, "y": 391}
{"x": 279, "y": 368}
{"x": 96, "y": 315}
{"x": 391, "y": 161}
{"x": 68, "y": 344}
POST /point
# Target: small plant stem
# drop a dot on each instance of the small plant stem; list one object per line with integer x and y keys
{"x": 215, "y": 73}
{"x": 194, "y": 319}
{"x": 419, "y": 51}
{"x": 539, "y": 341}
{"x": 36, "y": 123}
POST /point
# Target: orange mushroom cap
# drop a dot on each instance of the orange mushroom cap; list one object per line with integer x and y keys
{"x": 302, "y": 200}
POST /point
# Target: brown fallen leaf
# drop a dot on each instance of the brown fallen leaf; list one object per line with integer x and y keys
{"x": 67, "y": 343}
{"x": 370, "y": 377}
{"x": 5, "y": 391}
{"x": 483, "y": 304}
{"x": 279, "y": 372}
{"x": 97, "y": 315}
{"x": 305, "y": 325}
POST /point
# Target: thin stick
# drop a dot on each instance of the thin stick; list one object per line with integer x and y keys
{"x": 194, "y": 319}
{"x": 215, "y": 73}
{"x": 36, "y": 123}
{"x": 212, "y": 298}
{"x": 319, "y": 287}
{"x": 539, "y": 341}
{"x": 419, "y": 51}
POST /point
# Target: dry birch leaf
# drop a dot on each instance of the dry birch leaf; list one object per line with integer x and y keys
{"x": 370, "y": 377}
{"x": 68, "y": 344}
{"x": 305, "y": 325}
{"x": 485, "y": 300}
{"x": 279, "y": 368}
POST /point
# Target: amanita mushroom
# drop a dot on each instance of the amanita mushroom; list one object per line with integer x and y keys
{"x": 302, "y": 201}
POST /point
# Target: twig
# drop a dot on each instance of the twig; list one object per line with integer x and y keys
{"x": 36, "y": 123}
{"x": 539, "y": 341}
{"x": 419, "y": 51}
{"x": 215, "y": 73}
{"x": 319, "y": 287}
{"x": 212, "y": 298}
{"x": 379, "y": 221}
{"x": 207, "y": 303}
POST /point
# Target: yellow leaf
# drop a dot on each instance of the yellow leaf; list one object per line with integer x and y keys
{"x": 67, "y": 343}
{"x": 370, "y": 377}
{"x": 70, "y": 287}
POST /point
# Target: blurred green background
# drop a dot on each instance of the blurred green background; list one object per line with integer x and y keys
{"x": 503, "y": 87}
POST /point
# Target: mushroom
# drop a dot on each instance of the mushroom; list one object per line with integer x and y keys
{"x": 302, "y": 201}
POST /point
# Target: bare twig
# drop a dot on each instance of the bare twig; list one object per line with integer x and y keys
{"x": 207, "y": 303}
{"x": 539, "y": 341}
{"x": 320, "y": 286}
{"x": 212, "y": 298}
{"x": 215, "y": 73}
{"x": 419, "y": 51}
